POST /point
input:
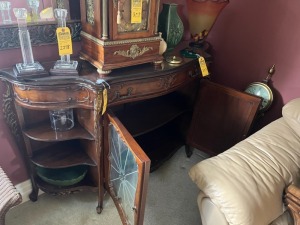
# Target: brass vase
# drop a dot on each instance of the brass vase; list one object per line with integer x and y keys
{"x": 170, "y": 25}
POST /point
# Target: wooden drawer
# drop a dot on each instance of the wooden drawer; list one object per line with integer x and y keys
{"x": 145, "y": 88}
{"x": 59, "y": 96}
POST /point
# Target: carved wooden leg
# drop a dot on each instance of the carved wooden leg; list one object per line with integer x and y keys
{"x": 188, "y": 151}
{"x": 99, "y": 207}
{"x": 293, "y": 202}
{"x": 33, "y": 196}
{"x": 11, "y": 118}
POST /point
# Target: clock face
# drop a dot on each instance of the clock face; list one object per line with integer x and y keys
{"x": 262, "y": 90}
{"x": 132, "y": 15}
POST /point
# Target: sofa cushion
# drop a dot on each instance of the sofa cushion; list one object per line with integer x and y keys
{"x": 291, "y": 114}
{"x": 284, "y": 219}
{"x": 247, "y": 181}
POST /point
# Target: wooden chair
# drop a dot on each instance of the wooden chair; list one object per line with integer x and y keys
{"x": 9, "y": 196}
{"x": 293, "y": 202}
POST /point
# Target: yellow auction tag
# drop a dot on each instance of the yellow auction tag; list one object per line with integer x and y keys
{"x": 203, "y": 66}
{"x": 64, "y": 41}
{"x": 104, "y": 93}
{"x": 136, "y": 11}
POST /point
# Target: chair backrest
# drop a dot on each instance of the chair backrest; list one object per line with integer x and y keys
{"x": 9, "y": 196}
{"x": 222, "y": 117}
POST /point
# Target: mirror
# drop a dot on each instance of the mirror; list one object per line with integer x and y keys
{"x": 40, "y": 20}
{"x": 39, "y": 11}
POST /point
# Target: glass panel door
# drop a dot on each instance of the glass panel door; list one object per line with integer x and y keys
{"x": 127, "y": 172}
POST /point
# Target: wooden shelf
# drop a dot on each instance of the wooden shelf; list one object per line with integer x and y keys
{"x": 44, "y": 132}
{"x": 61, "y": 155}
{"x": 161, "y": 144}
{"x": 146, "y": 116}
{"x": 85, "y": 185}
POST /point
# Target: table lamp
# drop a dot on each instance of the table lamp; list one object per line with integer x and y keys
{"x": 202, "y": 15}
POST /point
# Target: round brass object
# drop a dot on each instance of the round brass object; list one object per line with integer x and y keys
{"x": 174, "y": 59}
{"x": 263, "y": 90}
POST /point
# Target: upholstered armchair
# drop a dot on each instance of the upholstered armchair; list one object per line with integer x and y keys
{"x": 247, "y": 184}
{"x": 9, "y": 196}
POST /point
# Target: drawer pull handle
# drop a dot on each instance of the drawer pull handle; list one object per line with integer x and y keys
{"x": 127, "y": 95}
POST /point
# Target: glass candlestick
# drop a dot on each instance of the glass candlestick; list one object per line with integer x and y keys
{"x": 29, "y": 67}
{"x": 5, "y": 8}
{"x": 34, "y": 6}
{"x": 64, "y": 64}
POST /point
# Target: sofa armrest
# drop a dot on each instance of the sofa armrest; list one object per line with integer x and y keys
{"x": 209, "y": 212}
{"x": 293, "y": 202}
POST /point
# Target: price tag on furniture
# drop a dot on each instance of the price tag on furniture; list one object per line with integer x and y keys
{"x": 64, "y": 41}
{"x": 203, "y": 66}
{"x": 136, "y": 11}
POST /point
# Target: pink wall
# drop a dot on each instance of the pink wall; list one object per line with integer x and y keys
{"x": 41, "y": 53}
{"x": 250, "y": 36}
{"x": 10, "y": 158}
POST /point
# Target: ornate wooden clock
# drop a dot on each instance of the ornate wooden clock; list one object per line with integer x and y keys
{"x": 119, "y": 33}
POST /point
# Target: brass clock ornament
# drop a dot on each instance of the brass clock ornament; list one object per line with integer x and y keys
{"x": 119, "y": 33}
{"x": 263, "y": 90}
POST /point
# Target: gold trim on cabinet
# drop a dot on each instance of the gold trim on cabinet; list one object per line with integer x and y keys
{"x": 133, "y": 52}
{"x": 90, "y": 13}
{"x": 117, "y": 42}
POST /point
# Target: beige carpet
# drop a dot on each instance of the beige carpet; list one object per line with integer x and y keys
{"x": 171, "y": 200}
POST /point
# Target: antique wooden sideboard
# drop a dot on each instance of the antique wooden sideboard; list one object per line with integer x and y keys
{"x": 146, "y": 115}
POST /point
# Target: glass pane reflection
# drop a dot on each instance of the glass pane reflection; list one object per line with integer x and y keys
{"x": 123, "y": 173}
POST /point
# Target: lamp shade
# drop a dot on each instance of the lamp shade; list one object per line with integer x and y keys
{"x": 202, "y": 14}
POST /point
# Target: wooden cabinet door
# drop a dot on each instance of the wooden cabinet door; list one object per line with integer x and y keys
{"x": 222, "y": 117}
{"x": 127, "y": 171}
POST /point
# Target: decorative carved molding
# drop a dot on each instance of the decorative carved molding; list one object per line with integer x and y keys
{"x": 90, "y": 13}
{"x": 9, "y": 113}
{"x": 118, "y": 96}
{"x": 60, "y": 4}
{"x": 133, "y": 52}
{"x": 115, "y": 3}
{"x": 119, "y": 42}
{"x": 85, "y": 96}
{"x": 98, "y": 104}
{"x": 40, "y": 34}
{"x": 168, "y": 81}
{"x": 216, "y": 1}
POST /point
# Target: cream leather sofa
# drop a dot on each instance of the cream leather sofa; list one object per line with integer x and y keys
{"x": 245, "y": 184}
